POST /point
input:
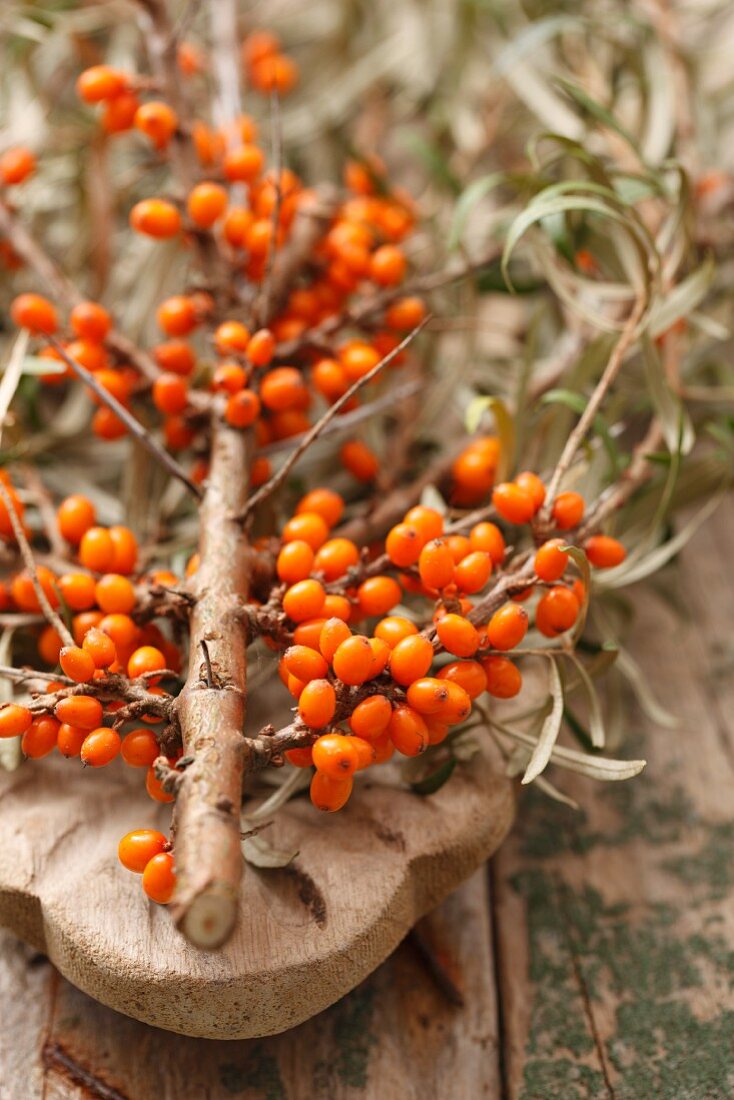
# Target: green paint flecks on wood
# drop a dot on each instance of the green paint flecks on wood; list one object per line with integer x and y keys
{"x": 711, "y": 866}
{"x": 350, "y": 1021}
{"x": 256, "y": 1076}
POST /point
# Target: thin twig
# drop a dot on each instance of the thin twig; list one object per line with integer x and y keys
{"x": 594, "y": 403}
{"x": 30, "y": 564}
{"x": 134, "y": 426}
{"x": 277, "y": 479}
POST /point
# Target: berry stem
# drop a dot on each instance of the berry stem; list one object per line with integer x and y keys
{"x": 207, "y": 813}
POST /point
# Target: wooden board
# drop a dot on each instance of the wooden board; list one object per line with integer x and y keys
{"x": 307, "y": 933}
{"x": 397, "y": 1036}
{"x": 615, "y": 928}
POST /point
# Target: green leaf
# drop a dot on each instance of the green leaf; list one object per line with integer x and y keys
{"x": 505, "y": 428}
{"x": 596, "y": 719}
{"x": 580, "y": 560}
{"x": 576, "y": 402}
{"x": 682, "y": 299}
{"x": 551, "y": 728}
{"x": 261, "y": 853}
{"x": 596, "y": 110}
{"x": 433, "y": 782}
{"x": 677, "y": 426}
{"x": 594, "y": 767}
{"x": 474, "y": 193}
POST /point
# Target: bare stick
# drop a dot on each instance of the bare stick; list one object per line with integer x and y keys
{"x": 211, "y": 718}
{"x": 277, "y": 479}
{"x": 134, "y": 426}
{"x": 587, "y": 417}
{"x": 64, "y": 291}
{"x": 30, "y": 564}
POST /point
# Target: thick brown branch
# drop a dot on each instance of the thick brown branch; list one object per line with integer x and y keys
{"x": 211, "y": 718}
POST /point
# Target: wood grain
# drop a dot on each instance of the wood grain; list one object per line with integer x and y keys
{"x": 307, "y": 933}
{"x": 396, "y": 1036}
{"x": 615, "y": 927}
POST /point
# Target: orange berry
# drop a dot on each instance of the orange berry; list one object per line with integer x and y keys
{"x": 175, "y": 357}
{"x": 75, "y": 515}
{"x": 14, "y": 720}
{"x": 295, "y": 561}
{"x": 308, "y": 633}
{"x": 459, "y": 546}
{"x": 428, "y": 695}
{"x": 366, "y": 754}
{"x": 300, "y": 758}
{"x": 436, "y": 565}
{"x": 243, "y": 165}
{"x": 121, "y": 629}
{"x": 77, "y": 664}
{"x": 317, "y": 702}
{"x": 384, "y": 748}
{"x": 40, "y": 738}
{"x": 157, "y": 121}
{"x": 533, "y": 486}
{"x": 69, "y": 739}
{"x": 242, "y": 409}
{"x": 394, "y": 628}
{"x": 550, "y": 561}
{"x": 159, "y": 878}
{"x": 380, "y": 656}
{"x": 261, "y": 348}
{"x": 330, "y": 794}
{"x": 329, "y": 379}
{"x": 100, "y": 648}
{"x": 503, "y": 677}
{"x": 231, "y": 337}
{"x": 139, "y": 748}
{"x": 170, "y": 393}
{"x": 337, "y": 607}
{"x": 371, "y": 717}
{"x": 100, "y": 82}
{"x": 513, "y": 503}
{"x": 177, "y": 316}
{"x": 154, "y": 788}
{"x": 388, "y": 265}
{"x": 404, "y": 544}
{"x": 457, "y": 705}
{"x": 557, "y": 611}
{"x": 125, "y": 545}
{"x": 35, "y": 313}
{"x": 119, "y": 113}
{"x": 136, "y": 849}
{"x": 604, "y": 552}
{"x": 114, "y": 593}
{"x": 457, "y": 635}
{"x": 427, "y": 521}
{"x": 359, "y": 460}
{"x": 155, "y": 218}
{"x": 405, "y": 314}
{"x": 335, "y": 756}
{"x": 333, "y": 633}
{"x": 410, "y": 659}
{"x": 16, "y": 164}
{"x": 274, "y": 74}
{"x": 96, "y": 549}
{"x": 353, "y": 660}
{"x": 83, "y": 711}
{"x": 304, "y": 600}
{"x": 473, "y": 571}
{"x": 507, "y": 627}
{"x": 335, "y": 557}
{"x": 307, "y": 664}
{"x": 407, "y": 731}
{"x": 325, "y": 502}
{"x": 49, "y": 645}
{"x": 473, "y": 473}
{"x": 437, "y": 730}
{"x": 487, "y": 537}
{"x": 308, "y": 527}
{"x": 100, "y": 747}
{"x": 259, "y": 45}
{"x": 358, "y": 359}
{"x": 146, "y": 658}
{"x": 229, "y": 378}
{"x": 568, "y": 510}
{"x": 24, "y": 593}
{"x": 283, "y": 388}
{"x": 469, "y": 675}
{"x": 378, "y": 595}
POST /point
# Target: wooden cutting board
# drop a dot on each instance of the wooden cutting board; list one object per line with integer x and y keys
{"x": 308, "y": 933}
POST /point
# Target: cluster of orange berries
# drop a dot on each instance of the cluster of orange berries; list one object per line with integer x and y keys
{"x": 100, "y": 599}
{"x": 362, "y": 694}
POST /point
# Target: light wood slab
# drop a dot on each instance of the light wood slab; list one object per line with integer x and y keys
{"x": 307, "y": 933}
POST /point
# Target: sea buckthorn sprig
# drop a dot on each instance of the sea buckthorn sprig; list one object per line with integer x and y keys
{"x": 388, "y": 621}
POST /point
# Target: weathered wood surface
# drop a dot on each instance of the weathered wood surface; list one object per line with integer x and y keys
{"x": 615, "y": 928}
{"x": 397, "y": 1036}
{"x": 613, "y": 932}
{"x": 307, "y": 933}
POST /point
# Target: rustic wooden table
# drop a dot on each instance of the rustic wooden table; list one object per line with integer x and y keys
{"x": 595, "y": 960}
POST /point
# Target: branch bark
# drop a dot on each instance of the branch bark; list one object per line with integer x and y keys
{"x": 206, "y": 821}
